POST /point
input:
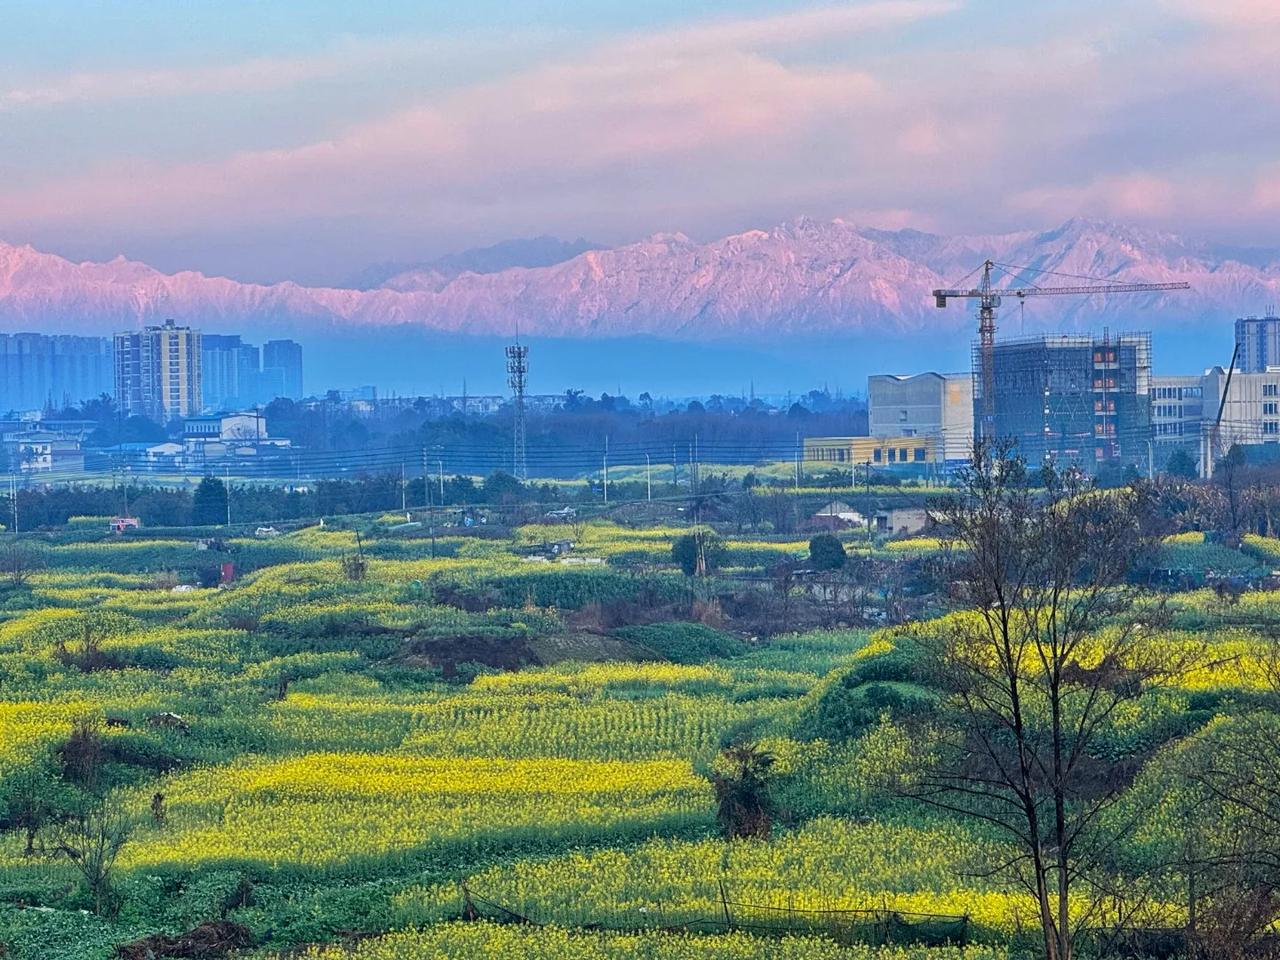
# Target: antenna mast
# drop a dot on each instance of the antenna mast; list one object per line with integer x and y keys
{"x": 517, "y": 376}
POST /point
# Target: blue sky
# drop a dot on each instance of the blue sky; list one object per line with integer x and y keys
{"x": 306, "y": 140}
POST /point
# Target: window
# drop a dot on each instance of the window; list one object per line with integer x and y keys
{"x": 878, "y": 453}
{"x": 1271, "y": 390}
{"x": 893, "y": 455}
{"x": 1271, "y": 426}
{"x": 919, "y": 454}
{"x": 902, "y": 416}
{"x": 902, "y": 454}
{"x": 1270, "y": 409}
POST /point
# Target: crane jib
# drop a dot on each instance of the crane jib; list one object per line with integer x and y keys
{"x": 940, "y": 297}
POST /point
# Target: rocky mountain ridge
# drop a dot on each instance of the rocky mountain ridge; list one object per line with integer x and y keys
{"x": 800, "y": 277}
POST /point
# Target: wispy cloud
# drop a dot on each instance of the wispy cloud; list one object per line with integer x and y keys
{"x": 1136, "y": 196}
{"x": 795, "y": 27}
{"x": 673, "y": 94}
{"x": 728, "y": 122}
{"x": 1240, "y": 14}
{"x": 251, "y": 76}
{"x": 243, "y": 77}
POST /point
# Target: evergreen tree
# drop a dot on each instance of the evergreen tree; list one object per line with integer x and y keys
{"x": 826, "y": 552}
{"x": 1181, "y": 464}
{"x": 209, "y": 505}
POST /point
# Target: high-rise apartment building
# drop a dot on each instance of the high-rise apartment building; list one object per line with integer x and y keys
{"x": 38, "y": 370}
{"x": 158, "y": 371}
{"x": 219, "y": 370}
{"x": 1257, "y": 343}
{"x": 237, "y": 375}
{"x": 284, "y": 356}
{"x": 1073, "y": 399}
{"x": 934, "y": 405}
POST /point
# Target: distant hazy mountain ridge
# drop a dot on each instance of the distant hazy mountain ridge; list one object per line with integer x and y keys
{"x": 801, "y": 276}
{"x": 535, "y": 252}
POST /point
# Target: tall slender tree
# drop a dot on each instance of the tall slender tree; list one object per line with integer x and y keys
{"x": 1036, "y": 673}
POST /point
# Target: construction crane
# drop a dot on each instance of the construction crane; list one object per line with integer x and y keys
{"x": 989, "y": 298}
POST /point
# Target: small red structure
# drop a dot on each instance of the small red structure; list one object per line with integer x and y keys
{"x": 228, "y": 573}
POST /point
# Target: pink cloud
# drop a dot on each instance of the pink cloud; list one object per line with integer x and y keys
{"x": 1266, "y": 190}
{"x": 243, "y": 77}
{"x": 1245, "y": 14}
{"x": 610, "y": 108}
{"x": 725, "y": 123}
{"x": 1136, "y": 196}
{"x": 795, "y": 27}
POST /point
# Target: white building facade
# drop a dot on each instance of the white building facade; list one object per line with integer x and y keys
{"x": 936, "y": 405}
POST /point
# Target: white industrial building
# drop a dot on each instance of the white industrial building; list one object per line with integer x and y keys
{"x": 1184, "y": 413}
{"x": 936, "y": 405}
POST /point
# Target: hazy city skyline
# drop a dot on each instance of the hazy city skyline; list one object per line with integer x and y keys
{"x": 259, "y": 143}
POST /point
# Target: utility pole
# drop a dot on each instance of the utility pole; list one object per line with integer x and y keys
{"x": 606, "y": 470}
{"x": 797, "y": 461}
{"x": 404, "y": 505}
{"x": 869, "y": 521}
{"x": 227, "y": 483}
{"x": 13, "y": 499}
{"x": 426, "y": 481}
{"x": 648, "y": 478}
{"x": 440, "y": 464}
{"x": 426, "y": 495}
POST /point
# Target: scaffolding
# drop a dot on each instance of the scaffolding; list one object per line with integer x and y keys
{"x": 1070, "y": 398}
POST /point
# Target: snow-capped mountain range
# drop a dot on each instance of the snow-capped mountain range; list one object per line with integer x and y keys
{"x": 803, "y": 276}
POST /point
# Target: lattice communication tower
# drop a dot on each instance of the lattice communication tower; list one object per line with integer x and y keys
{"x": 517, "y": 377}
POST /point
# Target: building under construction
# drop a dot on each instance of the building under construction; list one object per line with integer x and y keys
{"x": 1069, "y": 399}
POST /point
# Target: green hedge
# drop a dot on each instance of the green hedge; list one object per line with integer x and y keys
{"x": 683, "y": 642}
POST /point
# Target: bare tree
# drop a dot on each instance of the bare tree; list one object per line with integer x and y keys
{"x": 1231, "y": 475}
{"x": 748, "y": 509}
{"x": 1036, "y": 675}
{"x": 33, "y": 795}
{"x": 92, "y": 841}
{"x": 18, "y": 561}
{"x": 781, "y": 508}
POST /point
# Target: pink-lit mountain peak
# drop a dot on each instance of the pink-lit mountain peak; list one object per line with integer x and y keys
{"x": 802, "y": 276}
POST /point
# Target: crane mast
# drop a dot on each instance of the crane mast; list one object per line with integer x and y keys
{"x": 989, "y": 298}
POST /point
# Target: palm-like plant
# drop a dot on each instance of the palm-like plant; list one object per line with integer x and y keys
{"x": 744, "y": 808}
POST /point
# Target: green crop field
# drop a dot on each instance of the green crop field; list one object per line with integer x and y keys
{"x": 357, "y": 749}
